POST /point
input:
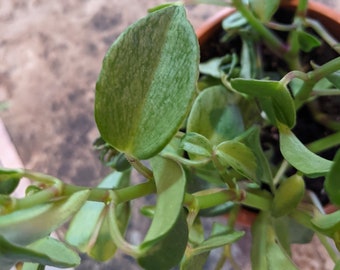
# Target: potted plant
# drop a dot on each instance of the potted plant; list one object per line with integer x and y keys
{"x": 209, "y": 138}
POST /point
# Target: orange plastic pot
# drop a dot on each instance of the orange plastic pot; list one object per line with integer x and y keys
{"x": 329, "y": 18}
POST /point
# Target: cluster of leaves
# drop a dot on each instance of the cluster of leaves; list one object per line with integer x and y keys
{"x": 200, "y": 138}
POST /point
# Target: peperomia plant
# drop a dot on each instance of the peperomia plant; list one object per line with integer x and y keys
{"x": 197, "y": 131}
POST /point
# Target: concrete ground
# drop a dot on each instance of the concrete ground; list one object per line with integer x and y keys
{"x": 50, "y": 57}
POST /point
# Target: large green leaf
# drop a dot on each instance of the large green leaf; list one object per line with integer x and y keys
{"x": 25, "y": 226}
{"x": 147, "y": 83}
{"x": 332, "y": 183}
{"x": 47, "y": 251}
{"x": 166, "y": 239}
{"x": 298, "y": 155}
{"x": 214, "y": 116}
{"x": 89, "y": 230}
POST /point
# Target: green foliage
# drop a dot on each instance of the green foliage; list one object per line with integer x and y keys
{"x": 332, "y": 183}
{"x": 267, "y": 251}
{"x": 288, "y": 195}
{"x": 206, "y": 144}
{"x": 238, "y": 156}
{"x": 264, "y": 9}
{"x": 142, "y": 96}
{"x": 274, "y": 97}
{"x": 214, "y": 116}
{"x": 158, "y": 251}
{"x": 300, "y": 157}
{"x": 46, "y": 251}
{"x": 53, "y": 213}
{"x": 89, "y": 230}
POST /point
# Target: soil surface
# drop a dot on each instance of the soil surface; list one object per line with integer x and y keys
{"x": 51, "y": 54}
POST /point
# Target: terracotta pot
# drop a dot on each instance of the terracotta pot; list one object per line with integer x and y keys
{"x": 325, "y": 15}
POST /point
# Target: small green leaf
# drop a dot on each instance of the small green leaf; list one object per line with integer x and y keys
{"x": 266, "y": 251}
{"x": 217, "y": 241}
{"x": 264, "y": 9}
{"x": 332, "y": 183}
{"x": 296, "y": 153}
{"x": 238, "y": 156}
{"x": 288, "y": 195}
{"x": 248, "y": 58}
{"x": 212, "y": 67}
{"x": 166, "y": 240}
{"x": 196, "y": 145}
{"x": 145, "y": 87}
{"x": 9, "y": 185}
{"x": 46, "y": 251}
{"x": 214, "y": 116}
{"x": 277, "y": 257}
{"x": 235, "y": 20}
{"x": 328, "y": 224}
{"x": 251, "y": 138}
{"x": 307, "y": 41}
{"x": 273, "y": 94}
{"x": 334, "y": 78}
{"x": 42, "y": 219}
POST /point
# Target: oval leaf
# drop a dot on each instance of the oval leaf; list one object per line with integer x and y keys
{"x": 196, "y": 145}
{"x": 327, "y": 224}
{"x": 213, "y": 117}
{"x": 42, "y": 219}
{"x": 147, "y": 82}
{"x": 166, "y": 239}
{"x": 239, "y": 157}
{"x": 273, "y": 94}
{"x": 47, "y": 251}
{"x": 307, "y": 41}
{"x": 300, "y": 157}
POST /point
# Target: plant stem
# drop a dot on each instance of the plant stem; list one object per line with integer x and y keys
{"x": 117, "y": 236}
{"x": 270, "y": 39}
{"x": 325, "y": 143}
{"x": 323, "y": 33}
{"x": 281, "y": 171}
{"x": 37, "y": 198}
{"x": 120, "y": 195}
{"x": 134, "y": 192}
{"x": 140, "y": 167}
{"x": 43, "y": 178}
{"x": 313, "y": 77}
{"x": 256, "y": 201}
